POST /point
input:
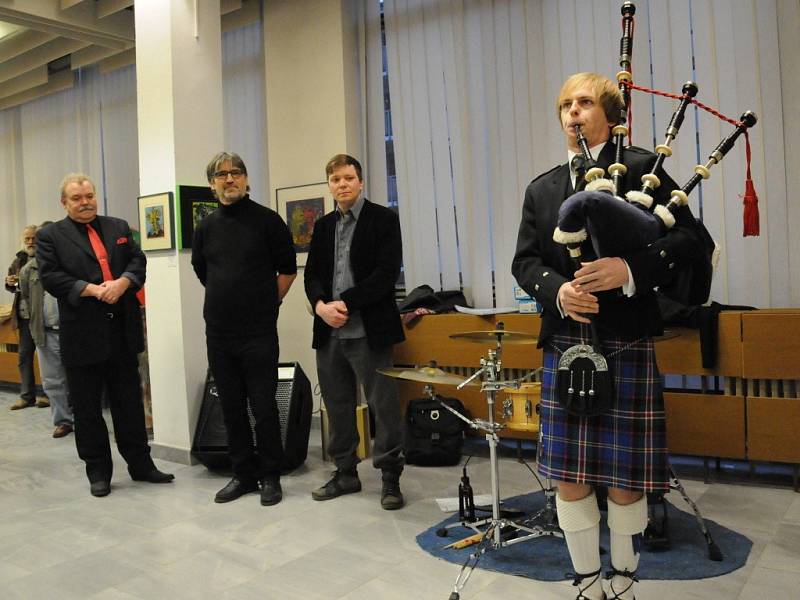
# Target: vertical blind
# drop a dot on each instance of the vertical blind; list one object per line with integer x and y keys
{"x": 473, "y": 86}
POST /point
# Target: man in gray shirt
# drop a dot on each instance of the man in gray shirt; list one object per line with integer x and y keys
{"x": 43, "y": 310}
{"x": 353, "y": 264}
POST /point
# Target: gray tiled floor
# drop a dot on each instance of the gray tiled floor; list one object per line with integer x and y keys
{"x": 172, "y": 541}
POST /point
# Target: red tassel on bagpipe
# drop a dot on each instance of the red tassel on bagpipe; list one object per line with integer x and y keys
{"x": 750, "y": 199}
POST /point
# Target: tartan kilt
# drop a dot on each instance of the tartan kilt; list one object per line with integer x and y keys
{"x": 625, "y": 447}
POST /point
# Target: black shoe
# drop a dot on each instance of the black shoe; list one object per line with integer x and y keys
{"x": 342, "y": 482}
{"x": 153, "y": 476}
{"x": 577, "y": 581}
{"x": 271, "y": 492}
{"x": 615, "y": 576}
{"x": 100, "y": 488}
{"x": 391, "y": 496}
{"x": 236, "y": 488}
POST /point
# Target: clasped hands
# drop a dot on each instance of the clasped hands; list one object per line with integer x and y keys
{"x": 576, "y": 297}
{"x": 334, "y": 313}
{"x": 108, "y": 291}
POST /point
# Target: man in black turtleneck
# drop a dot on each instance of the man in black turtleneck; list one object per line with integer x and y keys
{"x": 244, "y": 256}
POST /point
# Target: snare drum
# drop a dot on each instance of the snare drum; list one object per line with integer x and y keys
{"x": 519, "y": 409}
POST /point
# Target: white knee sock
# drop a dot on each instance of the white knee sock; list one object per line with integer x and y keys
{"x": 625, "y": 524}
{"x": 580, "y": 521}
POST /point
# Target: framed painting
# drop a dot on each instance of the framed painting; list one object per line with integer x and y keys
{"x": 155, "y": 222}
{"x": 301, "y": 206}
{"x": 194, "y": 204}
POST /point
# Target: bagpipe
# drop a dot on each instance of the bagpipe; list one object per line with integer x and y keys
{"x": 614, "y": 225}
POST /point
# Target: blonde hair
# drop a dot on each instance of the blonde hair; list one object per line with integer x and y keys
{"x": 606, "y": 91}
{"x": 74, "y": 178}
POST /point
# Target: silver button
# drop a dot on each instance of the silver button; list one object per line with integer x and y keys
{"x": 663, "y": 254}
{"x": 536, "y": 287}
{"x": 546, "y": 273}
{"x": 671, "y": 265}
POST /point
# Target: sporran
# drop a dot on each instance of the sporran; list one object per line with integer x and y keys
{"x": 584, "y": 386}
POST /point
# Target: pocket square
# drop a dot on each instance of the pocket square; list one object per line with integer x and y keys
{"x": 122, "y": 240}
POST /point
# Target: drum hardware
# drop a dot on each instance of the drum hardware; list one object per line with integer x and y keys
{"x": 466, "y": 499}
{"x": 656, "y": 535}
{"x": 500, "y": 531}
{"x": 714, "y": 553}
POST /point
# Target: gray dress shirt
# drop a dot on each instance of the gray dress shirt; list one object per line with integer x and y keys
{"x": 342, "y": 270}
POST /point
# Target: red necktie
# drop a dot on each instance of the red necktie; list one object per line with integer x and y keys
{"x": 99, "y": 252}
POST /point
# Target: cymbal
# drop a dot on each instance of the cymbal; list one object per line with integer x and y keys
{"x": 489, "y": 337}
{"x": 424, "y": 374}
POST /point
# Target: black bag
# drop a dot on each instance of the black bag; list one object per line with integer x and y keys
{"x": 583, "y": 382}
{"x": 423, "y": 296}
{"x": 433, "y": 436}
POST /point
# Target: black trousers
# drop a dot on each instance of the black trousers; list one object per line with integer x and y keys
{"x": 119, "y": 375}
{"x": 246, "y": 373}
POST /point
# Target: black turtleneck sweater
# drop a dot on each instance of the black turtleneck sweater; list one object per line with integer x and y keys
{"x": 237, "y": 253}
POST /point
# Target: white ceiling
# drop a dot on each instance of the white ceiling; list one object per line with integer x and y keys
{"x": 43, "y": 42}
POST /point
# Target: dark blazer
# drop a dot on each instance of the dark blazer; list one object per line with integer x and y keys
{"x": 376, "y": 255}
{"x": 66, "y": 264}
{"x": 541, "y": 265}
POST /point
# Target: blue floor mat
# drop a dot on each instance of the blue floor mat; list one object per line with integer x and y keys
{"x": 546, "y": 558}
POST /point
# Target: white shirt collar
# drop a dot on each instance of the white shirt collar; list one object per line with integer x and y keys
{"x": 594, "y": 151}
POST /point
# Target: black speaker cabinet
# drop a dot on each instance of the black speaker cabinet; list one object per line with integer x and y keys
{"x": 293, "y": 396}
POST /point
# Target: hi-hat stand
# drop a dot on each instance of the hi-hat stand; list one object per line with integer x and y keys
{"x": 656, "y": 536}
{"x": 499, "y": 531}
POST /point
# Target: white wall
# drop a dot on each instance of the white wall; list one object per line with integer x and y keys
{"x": 313, "y": 112}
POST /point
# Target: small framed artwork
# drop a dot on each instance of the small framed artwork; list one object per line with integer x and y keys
{"x": 155, "y": 222}
{"x": 194, "y": 204}
{"x": 301, "y": 206}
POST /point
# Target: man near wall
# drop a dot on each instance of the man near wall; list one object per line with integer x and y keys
{"x": 353, "y": 264}
{"x": 244, "y": 256}
{"x": 20, "y": 320}
{"x": 92, "y": 265}
{"x": 625, "y": 447}
{"x": 44, "y": 326}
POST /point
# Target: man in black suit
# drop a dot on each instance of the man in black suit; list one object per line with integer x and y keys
{"x": 353, "y": 264}
{"x": 624, "y": 448}
{"x": 92, "y": 265}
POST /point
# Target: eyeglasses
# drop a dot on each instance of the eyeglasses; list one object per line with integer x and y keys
{"x": 223, "y": 175}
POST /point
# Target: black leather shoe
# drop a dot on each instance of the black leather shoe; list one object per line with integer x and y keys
{"x": 342, "y": 482}
{"x": 271, "y": 492}
{"x": 391, "y": 496}
{"x": 236, "y": 488}
{"x": 100, "y": 488}
{"x": 154, "y": 476}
